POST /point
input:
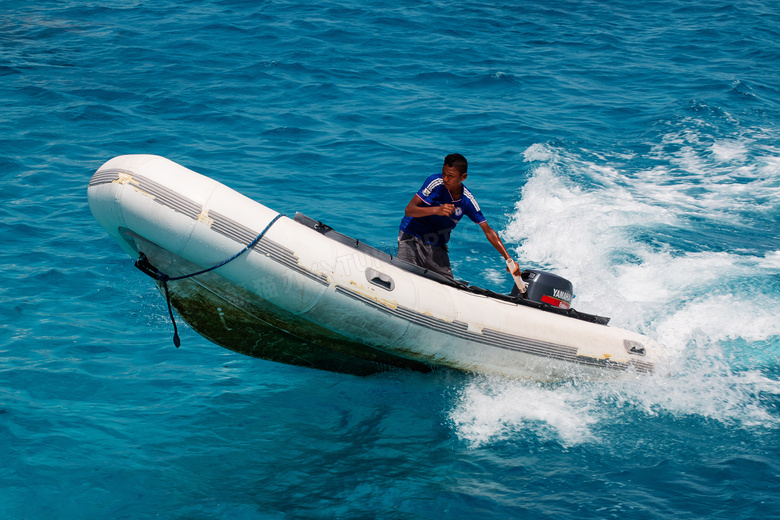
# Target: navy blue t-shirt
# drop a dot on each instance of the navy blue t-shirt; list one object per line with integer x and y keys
{"x": 436, "y": 229}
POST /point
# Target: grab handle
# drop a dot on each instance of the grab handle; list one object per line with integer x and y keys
{"x": 380, "y": 279}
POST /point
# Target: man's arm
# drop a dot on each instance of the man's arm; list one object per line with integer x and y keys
{"x": 511, "y": 265}
{"x": 418, "y": 208}
{"x": 494, "y": 239}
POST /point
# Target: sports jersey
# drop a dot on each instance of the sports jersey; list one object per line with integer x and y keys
{"x": 436, "y": 229}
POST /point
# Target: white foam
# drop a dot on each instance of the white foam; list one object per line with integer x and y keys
{"x": 716, "y": 180}
{"x": 713, "y": 312}
{"x": 729, "y": 150}
{"x": 538, "y": 152}
{"x": 771, "y": 260}
{"x": 705, "y": 389}
{"x": 494, "y": 409}
{"x": 590, "y": 237}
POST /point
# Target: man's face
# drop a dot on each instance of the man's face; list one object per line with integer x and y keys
{"x": 452, "y": 177}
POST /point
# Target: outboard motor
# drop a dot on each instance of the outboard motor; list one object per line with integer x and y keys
{"x": 546, "y": 288}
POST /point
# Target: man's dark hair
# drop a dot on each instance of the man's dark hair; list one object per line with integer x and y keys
{"x": 458, "y": 161}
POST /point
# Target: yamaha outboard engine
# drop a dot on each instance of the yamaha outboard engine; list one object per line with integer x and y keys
{"x": 546, "y": 288}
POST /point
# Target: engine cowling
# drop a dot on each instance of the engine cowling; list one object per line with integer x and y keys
{"x": 546, "y": 288}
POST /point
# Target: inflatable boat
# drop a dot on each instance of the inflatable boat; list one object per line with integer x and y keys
{"x": 294, "y": 290}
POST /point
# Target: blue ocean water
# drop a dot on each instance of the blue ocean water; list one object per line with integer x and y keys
{"x": 632, "y": 148}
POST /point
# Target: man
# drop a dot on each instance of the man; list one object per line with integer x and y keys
{"x": 434, "y": 212}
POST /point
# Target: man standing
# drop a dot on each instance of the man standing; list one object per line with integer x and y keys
{"x": 433, "y": 213}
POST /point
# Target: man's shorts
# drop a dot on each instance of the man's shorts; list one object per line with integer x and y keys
{"x": 416, "y": 251}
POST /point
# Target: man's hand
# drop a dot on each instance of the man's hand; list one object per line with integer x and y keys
{"x": 516, "y": 273}
{"x": 418, "y": 208}
{"x": 512, "y": 267}
{"x": 445, "y": 210}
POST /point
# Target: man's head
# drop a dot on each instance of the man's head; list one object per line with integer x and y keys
{"x": 457, "y": 161}
{"x": 454, "y": 171}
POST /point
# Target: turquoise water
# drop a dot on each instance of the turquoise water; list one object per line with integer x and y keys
{"x": 633, "y": 149}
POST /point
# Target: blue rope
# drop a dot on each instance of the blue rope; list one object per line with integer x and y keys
{"x": 143, "y": 264}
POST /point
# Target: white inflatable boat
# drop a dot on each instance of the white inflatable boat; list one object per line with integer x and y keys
{"x": 293, "y": 290}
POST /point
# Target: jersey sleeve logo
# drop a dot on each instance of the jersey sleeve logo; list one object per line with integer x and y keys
{"x": 427, "y": 190}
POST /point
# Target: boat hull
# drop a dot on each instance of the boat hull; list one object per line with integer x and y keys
{"x": 305, "y": 295}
